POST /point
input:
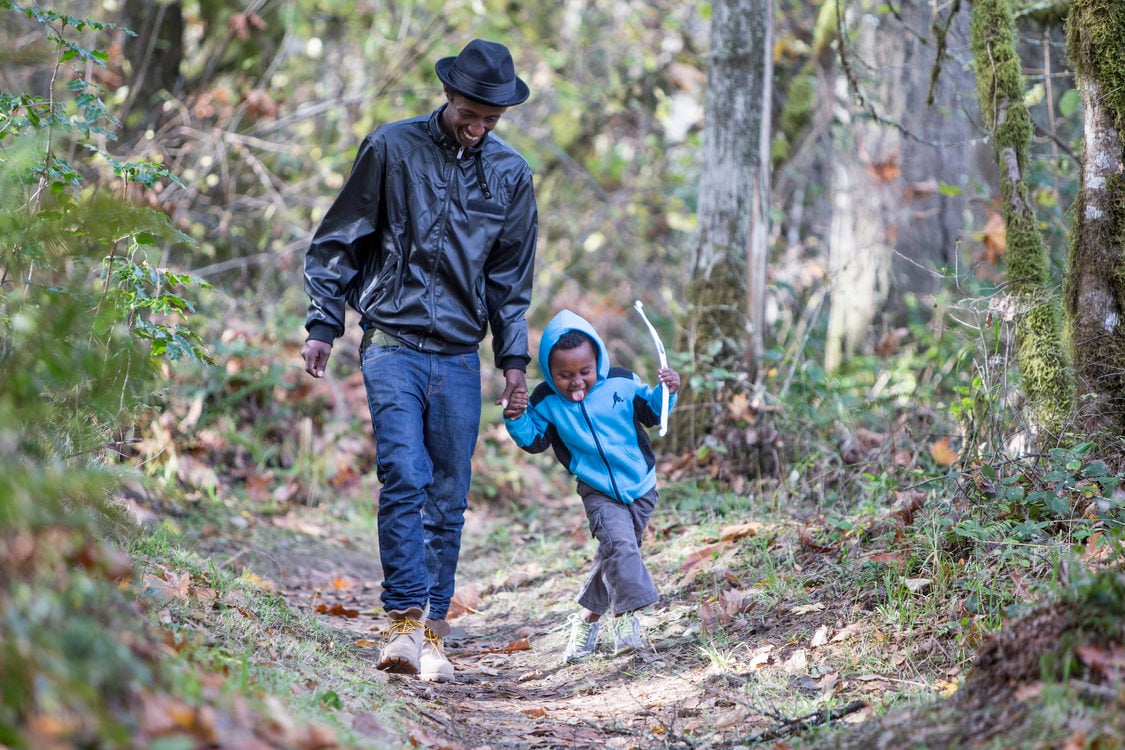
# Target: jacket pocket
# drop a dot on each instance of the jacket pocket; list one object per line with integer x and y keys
{"x": 490, "y": 208}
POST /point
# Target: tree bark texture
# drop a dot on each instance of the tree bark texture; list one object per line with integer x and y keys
{"x": 895, "y": 223}
{"x": 1044, "y": 366}
{"x": 1095, "y": 288}
{"x": 726, "y": 291}
{"x": 867, "y": 187}
{"x": 154, "y": 57}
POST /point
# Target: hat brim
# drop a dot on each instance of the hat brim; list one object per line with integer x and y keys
{"x": 519, "y": 94}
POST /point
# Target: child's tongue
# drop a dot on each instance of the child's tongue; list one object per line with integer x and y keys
{"x": 578, "y": 395}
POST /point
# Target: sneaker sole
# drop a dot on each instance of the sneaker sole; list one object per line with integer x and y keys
{"x": 435, "y": 677}
{"x": 396, "y": 665}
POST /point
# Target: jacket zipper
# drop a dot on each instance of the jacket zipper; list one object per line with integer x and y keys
{"x": 601, "y": 452}
{"x": 450, "y": 167}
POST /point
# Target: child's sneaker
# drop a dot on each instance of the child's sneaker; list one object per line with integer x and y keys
{"x": 583, "y": 638}
{"x": 627, "y": 635}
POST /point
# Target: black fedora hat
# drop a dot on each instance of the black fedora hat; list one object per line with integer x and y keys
{"x": 483, "y": 72}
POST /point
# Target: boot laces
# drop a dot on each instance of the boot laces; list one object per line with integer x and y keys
{"x": 405, "y": 626}
{"x": 433, "y": 639}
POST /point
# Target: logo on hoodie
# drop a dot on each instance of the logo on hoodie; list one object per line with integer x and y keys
{"x": 617, "y": 399}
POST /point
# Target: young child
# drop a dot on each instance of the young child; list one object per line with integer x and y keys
{"x": 593, "y": 416}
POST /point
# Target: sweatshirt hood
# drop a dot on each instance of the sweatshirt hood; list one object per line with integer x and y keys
{"x": 565, "y": 321}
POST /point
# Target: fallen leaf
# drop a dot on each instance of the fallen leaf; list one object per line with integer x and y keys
{"x": 820, "y": 637}
{"x": 890, "y": 341}
{"x": 1111, "y": 663}
{"x": 707, "y": 618}
{"x": 535, "y": 713}
{"x": 995, "y": 237}
{"x": 942, "y": 453}
{"x": 466, "y": 599}
{"x": 798, "y": 661}
{"x": 739, "y": 531}
{"x": 760, "y": 657}
{"x": 806, "y": 609}
{"x": 703, "y": 556}
{"x": 337, "y": 610}
{"x": 847, "y": 632}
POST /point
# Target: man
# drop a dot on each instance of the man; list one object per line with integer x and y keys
{"x": 432, "y": 240}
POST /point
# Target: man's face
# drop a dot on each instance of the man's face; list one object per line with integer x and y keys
{"x": 574, "y": 371}
{"x": 468, "y": 121}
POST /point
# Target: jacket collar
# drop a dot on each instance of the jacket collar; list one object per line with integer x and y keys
{"x": 448, "y": 144}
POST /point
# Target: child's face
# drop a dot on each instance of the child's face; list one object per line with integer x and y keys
{"x": 574, "y": 371}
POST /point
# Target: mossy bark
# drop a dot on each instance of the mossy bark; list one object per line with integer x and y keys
{"x": 723, "y": 325}
{"x": 1095, "y": 285}
{"x": 1041, "y": 354}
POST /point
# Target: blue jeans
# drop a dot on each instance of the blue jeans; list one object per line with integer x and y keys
{"x": 425, "y": 412}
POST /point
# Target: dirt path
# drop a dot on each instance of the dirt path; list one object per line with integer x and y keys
{"x": 511, "y": 691}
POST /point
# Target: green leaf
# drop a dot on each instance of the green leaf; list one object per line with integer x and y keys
{"x": 1069, "y": 102}
{"x": 949, "y": 190}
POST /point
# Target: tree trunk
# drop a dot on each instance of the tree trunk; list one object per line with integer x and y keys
{"x": 1044, "y": 367}
{"x": 1095, "y": 288}
{"x": 867, "y": 189}
{"x": 154, "y": 57}
{"x": 726, "y": 293}
{"x": 897, "y": 152}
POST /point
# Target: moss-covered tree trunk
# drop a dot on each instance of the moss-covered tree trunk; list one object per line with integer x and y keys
{"x": 1095, "y": 288}
{"x": 1044, "y": 366}
{"x": 726, "y": 293}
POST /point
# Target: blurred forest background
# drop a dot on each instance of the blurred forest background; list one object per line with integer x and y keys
{"x": 907, "y": 309}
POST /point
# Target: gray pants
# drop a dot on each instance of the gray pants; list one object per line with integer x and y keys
{"x": 619, "y": 580}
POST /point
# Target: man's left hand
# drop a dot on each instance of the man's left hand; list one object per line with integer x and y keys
{"x": 515, "y": 380}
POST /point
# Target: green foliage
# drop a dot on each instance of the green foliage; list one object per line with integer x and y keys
{"x": 84, "y": 321}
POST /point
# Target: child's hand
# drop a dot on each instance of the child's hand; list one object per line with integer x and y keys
{"x": 517, "y": 404}
{"x": 670, "y": 379}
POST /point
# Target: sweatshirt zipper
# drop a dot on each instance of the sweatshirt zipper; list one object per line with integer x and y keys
{"x": 601, "y": 452}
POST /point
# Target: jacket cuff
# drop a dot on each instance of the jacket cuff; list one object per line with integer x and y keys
{"x": 512, "y": 363}
{"x": 322, "y": 332}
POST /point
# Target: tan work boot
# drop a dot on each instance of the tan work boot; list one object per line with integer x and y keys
{"x": 435, "y": 666}
{"x": 402, "y": 651}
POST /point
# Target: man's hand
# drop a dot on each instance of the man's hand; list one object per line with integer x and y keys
{"x": 516, "y": 382}
{"x": 316, "y": 355}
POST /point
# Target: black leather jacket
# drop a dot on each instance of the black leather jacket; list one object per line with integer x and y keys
{"x": 430, "y": 242}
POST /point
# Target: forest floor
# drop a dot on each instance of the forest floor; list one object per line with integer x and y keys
{"x": 785, "y": 621}
{"x": 820, "y": 662}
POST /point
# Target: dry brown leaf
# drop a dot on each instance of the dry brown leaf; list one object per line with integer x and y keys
{"x": 703, "y": 556}
{"x": 707, "y": 618}
{"x": 739, "y": 531}
{"x": 535, "y": 713}
{"x": 466, "y": 599}
{"x": 942, "y": 453}
{"x": 420, "y": 736}
{"x": 170, "y": 586}
{"x": 889, "y": 342}
{"x": 807, "y": 609}
{"x": 1110, "y": 662}
{"x": 995, "y": 237}
{"x": 888, "y": 558}
{"x": 846, "y": 632}
{"x": 760, "y": 657}
{"x": 820, "y": 637}
{"x": 337, "y": 610}
{"x": 807, "y": 541}
{"x": 798, "y": 661}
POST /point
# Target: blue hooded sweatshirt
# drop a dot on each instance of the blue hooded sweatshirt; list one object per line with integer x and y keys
{"x": 600, "y": 439}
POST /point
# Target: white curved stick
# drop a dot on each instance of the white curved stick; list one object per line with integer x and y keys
{"x": 663, "y": 365}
